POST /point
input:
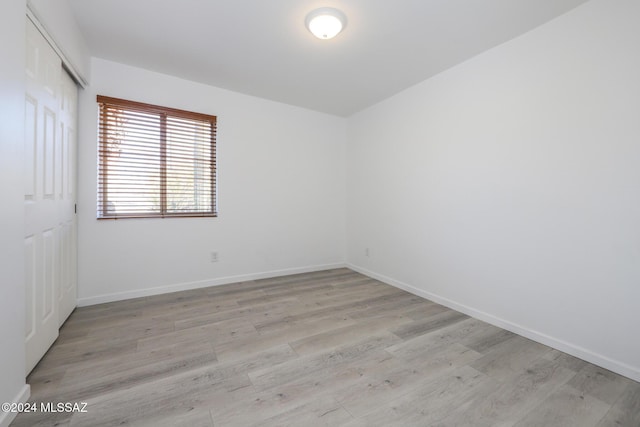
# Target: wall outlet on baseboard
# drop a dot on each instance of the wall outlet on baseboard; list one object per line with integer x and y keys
{"x": 214, "y": 256}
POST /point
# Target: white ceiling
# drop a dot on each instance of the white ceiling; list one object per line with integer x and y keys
{"x": 261, "y": 47}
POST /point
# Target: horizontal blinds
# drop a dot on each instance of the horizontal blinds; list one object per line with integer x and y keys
{"x": 155, "y": 161}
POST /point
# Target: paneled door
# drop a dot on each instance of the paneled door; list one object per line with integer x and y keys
{"x": 49, "y": 196}
{"x": 68, "y": 286}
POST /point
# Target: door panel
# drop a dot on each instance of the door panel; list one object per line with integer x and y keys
{"x": 66, "y": 192}
{"x": 49, "y": 274}
{"x": 30, "y": 284}
{"x": 30, "y": 120}
{"x": 50, "y": 285}
{"x": 49, "y": 147}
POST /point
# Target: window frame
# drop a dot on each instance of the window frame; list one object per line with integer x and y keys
{"x": 104, "y": 103}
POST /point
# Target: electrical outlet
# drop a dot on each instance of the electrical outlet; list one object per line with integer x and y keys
{"x": 366, "y": 252}
{"x": 214, "y": 256}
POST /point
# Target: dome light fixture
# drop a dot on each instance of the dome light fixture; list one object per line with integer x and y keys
{"x": 325, "y": 23}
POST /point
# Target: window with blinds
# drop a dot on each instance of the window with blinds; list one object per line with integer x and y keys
{"x": 155, "y": 161}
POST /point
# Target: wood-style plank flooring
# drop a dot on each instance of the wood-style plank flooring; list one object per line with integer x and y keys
{"x": 331, "y": 348}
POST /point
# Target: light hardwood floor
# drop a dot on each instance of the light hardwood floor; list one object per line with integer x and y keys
{"x": 331, "y": 348}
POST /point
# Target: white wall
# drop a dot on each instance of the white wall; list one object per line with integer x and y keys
{"x": 12, "y": 307}
{"x": 59, "y": 21}
{"x": 280, "y": 192}
{"x": 509, "y": 186}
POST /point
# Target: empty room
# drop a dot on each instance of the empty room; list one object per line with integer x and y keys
{"x": 320, "y": 213}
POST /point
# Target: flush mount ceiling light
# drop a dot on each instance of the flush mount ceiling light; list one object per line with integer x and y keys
{"x": 326, "y": 22}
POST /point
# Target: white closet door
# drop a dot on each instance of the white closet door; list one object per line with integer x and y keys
{"x": 48, "y": 196}
{"x": 68, "y": 286}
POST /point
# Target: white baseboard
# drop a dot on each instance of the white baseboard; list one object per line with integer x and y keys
{"x": 119, "y": 296}
{"x": 564, "y": 346}
{"x": 21, "y": 397}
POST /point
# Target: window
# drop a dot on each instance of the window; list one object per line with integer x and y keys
{"x": 155, "y": 161}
